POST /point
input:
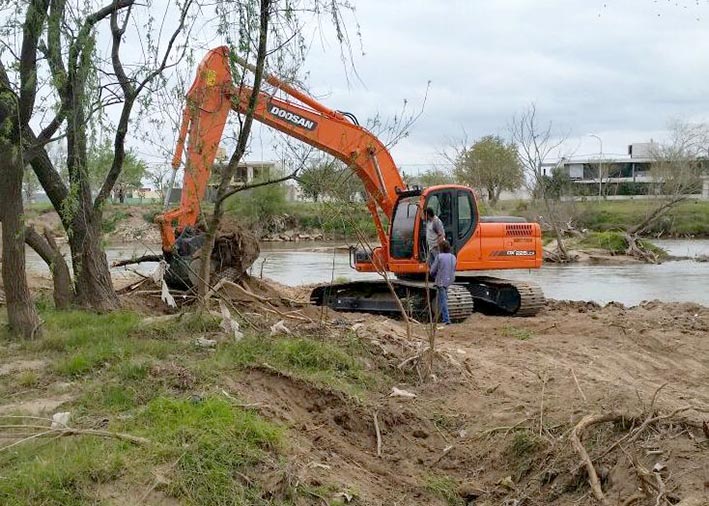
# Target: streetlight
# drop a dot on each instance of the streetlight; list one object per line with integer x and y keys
{"x": 600, "y": 162}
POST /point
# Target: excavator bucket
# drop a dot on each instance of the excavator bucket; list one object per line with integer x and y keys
{"x": 235, "y": 251}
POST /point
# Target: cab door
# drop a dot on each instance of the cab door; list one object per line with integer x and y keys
{"x": 456, "y": 209}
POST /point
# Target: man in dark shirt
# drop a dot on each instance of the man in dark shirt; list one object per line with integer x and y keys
{"x": 443, "y": 271}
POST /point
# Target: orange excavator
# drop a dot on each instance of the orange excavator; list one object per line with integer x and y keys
{"x": 480, "y": 243}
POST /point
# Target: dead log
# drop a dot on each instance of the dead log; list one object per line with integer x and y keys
{"x": 636, "y": 250}
{"x": 576, "y": 434}
{"x": 137, "y": 260}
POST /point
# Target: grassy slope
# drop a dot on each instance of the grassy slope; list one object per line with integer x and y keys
{"x": 154, "y": 383}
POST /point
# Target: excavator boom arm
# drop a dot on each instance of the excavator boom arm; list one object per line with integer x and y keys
{"x": 208, "y": 102}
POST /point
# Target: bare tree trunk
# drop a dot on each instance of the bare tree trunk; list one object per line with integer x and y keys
{"x": 21, "y": 313}
{"x": 47, "y": 248}
{"x": 92, "y": 276}
{"x": 563, "y": 253}
{"x": 655, "y": 214}
{"x": 227, "y": 174}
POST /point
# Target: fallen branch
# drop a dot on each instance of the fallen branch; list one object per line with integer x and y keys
{"x": 137, "y": 260}
{"x": 662, "y": 491}
{"x": 585, "y": 422}
{"x": 379, "y": 434}
{"x": 633, "y": 435}
{"x": 589, "y": 420}
{"x": 578, "y": 386}
{"x": 68, "y": 431}
{"x": 633, "y": 498}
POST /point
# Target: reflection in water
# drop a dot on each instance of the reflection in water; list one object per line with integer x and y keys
{"x": 685, "y": 281}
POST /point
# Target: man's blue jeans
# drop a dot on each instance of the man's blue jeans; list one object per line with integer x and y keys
{"x": 443, "y": 304}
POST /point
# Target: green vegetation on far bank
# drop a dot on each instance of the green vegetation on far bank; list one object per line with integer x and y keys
{"x": 687, "y": 219}
{"x": 615, "y": 243}
{"x": 268, "y": 213}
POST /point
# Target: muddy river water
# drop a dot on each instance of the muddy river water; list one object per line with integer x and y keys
{"x": 673, "y": 281}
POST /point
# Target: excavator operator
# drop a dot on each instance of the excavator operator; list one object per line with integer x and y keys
{"x": 435, "y": 234}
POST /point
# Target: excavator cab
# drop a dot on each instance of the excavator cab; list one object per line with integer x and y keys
{"x": 455, "y": 206}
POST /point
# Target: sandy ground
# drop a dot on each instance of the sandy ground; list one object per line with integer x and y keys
{"x": 496, "y": 415}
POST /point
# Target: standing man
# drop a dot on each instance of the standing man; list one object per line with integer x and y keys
{"x": 443, "y": 271}
{"x": 435, "y": 234}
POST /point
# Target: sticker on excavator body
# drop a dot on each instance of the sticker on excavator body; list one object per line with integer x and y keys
{"x": 210, "y": 77}
{"x": 513, "y": 253}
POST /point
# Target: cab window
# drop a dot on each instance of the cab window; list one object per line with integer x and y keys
{"x": 465, "y": 214}
{"x": 402, "y": 228}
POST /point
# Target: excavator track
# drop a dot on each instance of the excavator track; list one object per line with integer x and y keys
{"x": 460, "y": 303}
{"x": 377, "y": 297}
{"x": 508, "y": 297}
{"x": 487, "y": 295}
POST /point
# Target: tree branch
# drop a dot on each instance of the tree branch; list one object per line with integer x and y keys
{"x": 288, "y": 177}
{"x": 117, "y": 33}
{"x": 168, "y": 50}
{"x": 31, "y": 30}
{"x": 54, "y": 42}
{"x": 130, "y": 95}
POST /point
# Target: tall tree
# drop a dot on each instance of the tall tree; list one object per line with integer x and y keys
{"x": 317, "y": 178}
{"x": 99, "y": 164}
{"x": 57, "y": 49}
{"x": 678, "y": 168}
{"x": 433, "y": 177}
{"x": 22, "y": 315}
{"x": 492, "y": 165}
{"x": 535, "y": 144}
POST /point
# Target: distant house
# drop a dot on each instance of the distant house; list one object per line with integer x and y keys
{"x": 625, "y": 175}
{"x": 247, "y": 172}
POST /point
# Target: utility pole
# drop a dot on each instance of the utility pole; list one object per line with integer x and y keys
{"x": 600, "y": 166}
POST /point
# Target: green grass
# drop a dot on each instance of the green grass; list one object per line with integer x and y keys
{"x": 517, "y": 332}
{"x": 152, "y": 382}
{"x": 613, "y": 242}
{"x": 689, "y": 218}
{"x": 208, "y": 440}
{"x": 61, "y": 473}
{"x": 445, "y": 488}
{"x": 111, "y": 220}
{"x": 88, "y": 341}
{"x": 323, "y": 363}
{"x": 523, "y": 451}
{"x": 203, "y": 442}
{"x": 132, "y": 377}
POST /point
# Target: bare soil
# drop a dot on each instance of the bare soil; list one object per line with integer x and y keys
{"x": 506, "y": 392}
{"x": 491, "y": 424}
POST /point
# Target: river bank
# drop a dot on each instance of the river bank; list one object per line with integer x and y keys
{"x": 630, "y": 283}
{"x": 322, "y": 221}
{"x": 342, "y": 409}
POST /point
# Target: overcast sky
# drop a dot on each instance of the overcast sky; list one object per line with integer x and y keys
{"x": 619, "y": 69}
